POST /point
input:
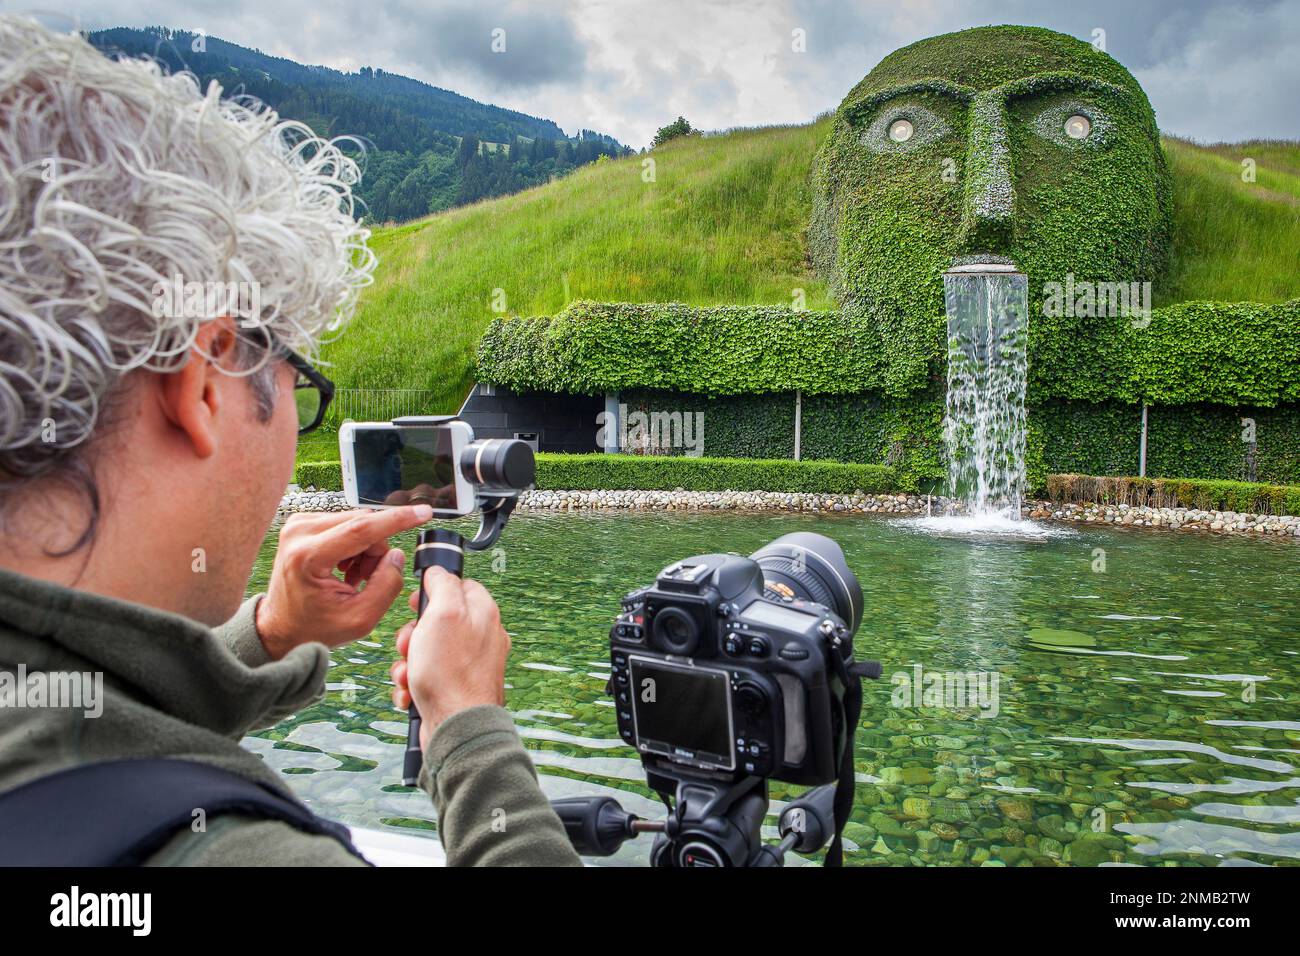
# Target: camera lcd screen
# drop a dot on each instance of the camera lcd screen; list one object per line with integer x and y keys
{"x": 683, "y": 712}
{"x": 405, "y": 466}
{"x": 774, "y": 615}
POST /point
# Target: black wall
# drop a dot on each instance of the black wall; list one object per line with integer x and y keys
{"x": 564, "y": 423}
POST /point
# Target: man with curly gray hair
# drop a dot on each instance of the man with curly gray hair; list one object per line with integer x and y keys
{"x": 170, "y": 262}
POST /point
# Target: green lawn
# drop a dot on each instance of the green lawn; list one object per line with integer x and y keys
{"x": 320, "y": 445}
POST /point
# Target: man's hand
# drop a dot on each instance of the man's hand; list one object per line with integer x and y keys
{"x": 454, "y": 656}
{"x": 307, "y": 602}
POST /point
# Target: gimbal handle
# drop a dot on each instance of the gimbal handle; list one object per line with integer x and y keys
{"x": 444, "y": 548}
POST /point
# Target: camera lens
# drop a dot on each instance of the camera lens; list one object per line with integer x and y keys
{"x": 675, "y": 631}
{"x": 499, "y": 463}
{"x": 812, "y": 567}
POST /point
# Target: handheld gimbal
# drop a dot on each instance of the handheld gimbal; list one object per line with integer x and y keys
{"x": 499, "y": 469}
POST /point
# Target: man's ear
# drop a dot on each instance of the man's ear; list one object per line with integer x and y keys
{"x": 191, "y": 397}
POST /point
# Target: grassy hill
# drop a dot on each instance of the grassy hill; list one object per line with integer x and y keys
{"x": 1234, "y": 241}
{"x": 723, "y": 222}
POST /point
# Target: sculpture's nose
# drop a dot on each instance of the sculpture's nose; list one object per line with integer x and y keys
{"x": 988, "y": 214}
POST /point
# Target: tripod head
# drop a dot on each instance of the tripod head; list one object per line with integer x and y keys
{"x": 709, "y": 826}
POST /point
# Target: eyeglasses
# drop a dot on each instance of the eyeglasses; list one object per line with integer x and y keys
{"x": 312, "y": 392}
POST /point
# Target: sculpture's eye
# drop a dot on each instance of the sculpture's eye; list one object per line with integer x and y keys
{"x": 1073, "y": 123}
{"x": 1078, "y": 127}
{"x": 903, "y": 126}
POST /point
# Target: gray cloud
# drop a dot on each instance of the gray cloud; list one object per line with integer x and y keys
{"x": 508, "y": 46}
{"x": 1214, "y": 69}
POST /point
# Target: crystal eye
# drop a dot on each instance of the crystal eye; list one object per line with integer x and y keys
{"x": 1078, "y": 127}
{"x": 900, "y": 131}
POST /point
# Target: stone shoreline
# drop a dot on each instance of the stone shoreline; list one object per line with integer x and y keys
{"x": 1168, "y": 519}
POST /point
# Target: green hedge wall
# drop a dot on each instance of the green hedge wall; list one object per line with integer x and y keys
{"x": 667, "y": 473}
{"x": 1230, "y": 353}
{"x": 1226, "y": 353}
{"x": 593, "y": 347}
{"x": 906, "y": 434}
{"x": 1088, "y": 438}
{"x": 735, "y": 426}
{"x": 1207, "y": 441}
{"x": 326, "y": 475}
{"x": 1190, "y": 441}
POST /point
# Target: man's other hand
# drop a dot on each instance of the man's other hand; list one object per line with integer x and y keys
{"x": 454, "y": 656}
{"x": 306, "y": 601}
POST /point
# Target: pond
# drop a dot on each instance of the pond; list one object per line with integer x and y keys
{"x": 1146, "y": 707}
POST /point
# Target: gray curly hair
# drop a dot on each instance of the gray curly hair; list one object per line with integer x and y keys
{"x": 118, "y": 182}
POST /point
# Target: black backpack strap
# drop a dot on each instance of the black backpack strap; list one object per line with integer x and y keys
{"x": 120, "y": 812}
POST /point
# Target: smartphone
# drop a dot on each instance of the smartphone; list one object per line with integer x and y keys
{"x": 388, "y": 466}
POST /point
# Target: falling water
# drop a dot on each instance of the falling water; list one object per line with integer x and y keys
{"x": 984, "y": 428}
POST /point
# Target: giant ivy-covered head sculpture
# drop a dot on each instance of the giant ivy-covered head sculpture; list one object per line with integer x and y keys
{"x": 1006, "y": 143}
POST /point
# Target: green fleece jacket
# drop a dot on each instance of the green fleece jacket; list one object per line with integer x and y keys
{"x": 175, "y": 688}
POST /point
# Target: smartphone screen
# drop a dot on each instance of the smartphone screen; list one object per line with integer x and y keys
{"x": 393, "y": 466}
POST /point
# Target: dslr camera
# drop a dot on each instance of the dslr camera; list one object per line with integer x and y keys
{"x": 727, "y": 672}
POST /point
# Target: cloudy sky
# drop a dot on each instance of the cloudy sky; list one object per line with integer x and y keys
{"x": 1214, "y": 69}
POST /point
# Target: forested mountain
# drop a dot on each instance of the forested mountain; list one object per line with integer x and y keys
{"x": 426, "y": 149}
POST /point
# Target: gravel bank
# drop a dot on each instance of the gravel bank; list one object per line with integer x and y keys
{"x": 1168, "y": 519}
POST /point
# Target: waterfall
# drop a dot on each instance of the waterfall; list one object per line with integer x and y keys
{"x": 984, "y": 426}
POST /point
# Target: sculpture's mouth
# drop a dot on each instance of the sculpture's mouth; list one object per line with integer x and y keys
{"x": 981, "y": 263}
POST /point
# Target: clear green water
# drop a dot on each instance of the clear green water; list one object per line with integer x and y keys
{"x": 1146, "y": 714}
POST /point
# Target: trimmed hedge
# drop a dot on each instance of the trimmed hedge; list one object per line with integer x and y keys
{"x": 906, "y": 434}
{"x": 1201, "y": 441}
{"x": 667, "y": 473}
{"x": 1225, "y": 353}
{"x": 1207, "y": 441}
{"x": 327, "y": 475}
{"x": 1228, "y": 353}
{"x": 593, "y": 347}
{"x": 1201, "y": 494}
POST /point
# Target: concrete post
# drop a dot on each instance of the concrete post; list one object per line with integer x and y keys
{"x": 613, "y": 424}
{"x": 798, "y": 424}
{"x": 1142, "y": 448}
